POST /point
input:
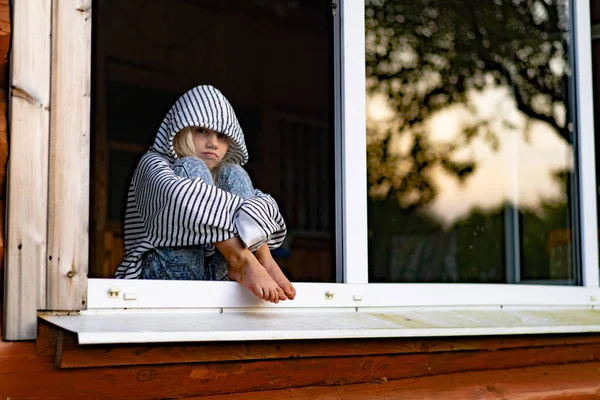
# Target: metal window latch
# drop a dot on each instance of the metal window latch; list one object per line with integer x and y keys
{"x": 329, "y": 295}
{"x": 334, "y": 6}
{"x": 114, "y": 292}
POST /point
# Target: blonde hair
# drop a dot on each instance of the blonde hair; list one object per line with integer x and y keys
{"x": 183, "y": 143}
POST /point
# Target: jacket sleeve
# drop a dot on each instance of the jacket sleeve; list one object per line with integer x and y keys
{"x": 182, "y": 212}
{"x": 259, "y": 221}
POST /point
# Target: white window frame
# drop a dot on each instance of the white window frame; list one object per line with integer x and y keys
{"x": 355, "y": 291}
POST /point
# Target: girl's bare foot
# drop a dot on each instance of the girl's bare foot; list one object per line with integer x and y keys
{"x": 245, "y": 269}
{"x": 253, "y": 276}
{"x": 266, "y": 260}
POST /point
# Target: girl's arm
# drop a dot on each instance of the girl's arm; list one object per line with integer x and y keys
{"x": 179, "y": 212}
{"x": 268, "y": 217}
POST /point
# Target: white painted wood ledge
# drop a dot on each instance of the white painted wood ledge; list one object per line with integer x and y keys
{"x": 139, "y": 311}
{"x": 201, "y": 325}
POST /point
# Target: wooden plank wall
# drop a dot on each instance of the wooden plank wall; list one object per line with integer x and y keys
{"x": 4, "y": 47}
{"x": 549, "y": 367}
{"x": 565, "y": 382}
{"x": 28, "y": 175}
{"x": 68, "y": 211}
{"x": 48, "y": 179}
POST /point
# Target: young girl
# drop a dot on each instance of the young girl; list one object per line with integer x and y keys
{"x": 189, "y": 194}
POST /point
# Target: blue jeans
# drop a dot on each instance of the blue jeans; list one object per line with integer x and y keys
{"x": 190, "y": 262}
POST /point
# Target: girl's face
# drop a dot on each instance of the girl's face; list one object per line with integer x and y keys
{"x": 210, "y": 146}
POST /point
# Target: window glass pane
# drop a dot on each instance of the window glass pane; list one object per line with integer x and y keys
{"x": 272, "y": 59}
{"x": 471, "y": 174}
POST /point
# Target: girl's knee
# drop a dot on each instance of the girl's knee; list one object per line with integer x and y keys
{"x": 234, "y": 179}
{"x": 192, "y": 168}
{"x": 226, "y": 170}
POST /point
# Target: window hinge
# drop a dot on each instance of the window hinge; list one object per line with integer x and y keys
{"x": 333, "y": 7}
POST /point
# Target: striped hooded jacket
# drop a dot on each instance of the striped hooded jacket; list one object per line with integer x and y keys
{"x": 164, "y": 210}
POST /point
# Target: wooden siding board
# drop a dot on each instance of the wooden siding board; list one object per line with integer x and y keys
{"x": 187, "y": 380}
{"x": 46, "y": 341}
{"x": 75, "y": 356}
{"x": 196, "y": 379}
{"x": 68, "y": 212}
{"x": 28, "y": 173}
{"x": 337, "y": 376}
{"x": 576, "y": 381}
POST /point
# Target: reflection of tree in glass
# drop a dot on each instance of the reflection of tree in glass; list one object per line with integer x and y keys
{"x": 542, "y": 255}
{"x": 545, "y": 242}
{"x": 426, "y": 55}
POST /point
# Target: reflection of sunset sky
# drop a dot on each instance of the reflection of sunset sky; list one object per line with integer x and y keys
{"x": 531, "y": 149}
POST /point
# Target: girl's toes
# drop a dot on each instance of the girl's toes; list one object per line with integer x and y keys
{"x": 281, "y": 293}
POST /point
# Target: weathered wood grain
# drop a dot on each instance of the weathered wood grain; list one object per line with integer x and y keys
{"x": 27, "y": 184}
{"x": 198, "y": 379}
{"x": 76, "y": 356}
{"x": 47, "y": 337}
{"x": 552, "y": 382}
{"x": 68, "y": 210}
{"x": 26, "y": 363}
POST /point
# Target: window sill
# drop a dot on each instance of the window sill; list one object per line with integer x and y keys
{"x": 148, "y": 294}
{"x": 217, "y": 325}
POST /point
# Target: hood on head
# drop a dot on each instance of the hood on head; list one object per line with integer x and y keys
{"x": 206, "y": 107}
